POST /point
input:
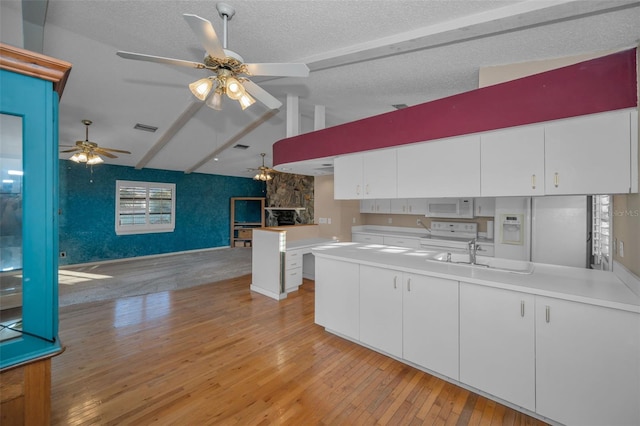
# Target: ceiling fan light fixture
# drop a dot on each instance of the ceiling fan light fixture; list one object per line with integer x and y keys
{"x": 234, "y": 89}
{"x": 79, "y": 157}
{"x": 215, "y": 101}
{"x": 246, "y": 101}
{"x": 94, "y": 159}
{"x": 263, "y": 176}
{"x": 201, "y": 88}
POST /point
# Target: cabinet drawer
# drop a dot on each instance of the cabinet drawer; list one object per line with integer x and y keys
{"x": 367, "y": 238}
{"x": 401, "y": 242}
{"x": 293, "y": 259}
{"x": 292, "y": 278}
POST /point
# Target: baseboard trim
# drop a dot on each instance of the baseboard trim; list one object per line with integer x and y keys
{"x": 151, "y": 256}
{"x": 630, "y": 279}
{"x": 267, "y": 293}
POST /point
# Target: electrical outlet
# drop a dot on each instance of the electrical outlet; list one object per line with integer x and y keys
{"x": 418, "y": 222}
{"x": 621, "y": 249}
{"x": 390, "y": 220}
{"x": 353, "y": 220}
{"x": 329, "y": 221}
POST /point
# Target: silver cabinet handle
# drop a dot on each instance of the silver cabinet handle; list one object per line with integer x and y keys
{"x": 357, "y": 189}
{"x": 556, "y": 179}
{"x": 522, "y": 308}
{"x": 533, "y": 181}
{"x": 367, "y": 188}
{"x": 410, "y": 208}
{"x": 547, "y": 313}
{"x": 404, "y": 209}
{"x": 395, "y": 282}
{"x": 408, "y": 284}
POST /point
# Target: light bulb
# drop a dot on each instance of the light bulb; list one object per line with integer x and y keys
{"x": 234, "y": 89}
{"x": 215, "y": 101}
{"x": 246, "y": 101}
{"x": 75, "y": 158}
{"x": 201, "y": 88}
{"x": 82, "y": 157}
{"x": 94, "y": 159}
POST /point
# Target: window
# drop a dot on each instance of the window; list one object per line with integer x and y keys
{"x": 145, "y": 207}
{"x": 601, "y": 231}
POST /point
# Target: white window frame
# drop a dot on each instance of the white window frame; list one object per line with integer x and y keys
{"x": 147, "y": 227}
{"x": 602, "y": 231}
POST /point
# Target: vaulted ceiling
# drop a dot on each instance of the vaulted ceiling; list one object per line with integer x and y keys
{"x": 365, "y": 57}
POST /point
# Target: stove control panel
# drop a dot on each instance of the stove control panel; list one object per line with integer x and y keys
{"x": 454, "y": 229}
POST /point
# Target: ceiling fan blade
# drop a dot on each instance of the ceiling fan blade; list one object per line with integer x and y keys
{"x": 206, "y": 34}
{"x": 72, "y": 150}
{"x": 262, "y": 95}
{"x": 103, "y": 152}
{"x": 113, "y": 150}
{"x": 281, "y": 70}
{"x": 159, "y": 59}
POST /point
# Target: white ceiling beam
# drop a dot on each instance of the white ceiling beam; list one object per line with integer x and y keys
{"x": 192, "y": 108}
{"x": 510, "y": 18}
{"x": 250, "y": 128}
{"x": 293, "y": 115}
{"x": 319, "y": 117}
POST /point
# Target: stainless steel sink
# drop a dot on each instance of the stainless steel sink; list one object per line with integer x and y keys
{"x": 492, "y": 263}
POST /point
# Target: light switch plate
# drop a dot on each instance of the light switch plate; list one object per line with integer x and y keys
{"x": 621, "y": 249}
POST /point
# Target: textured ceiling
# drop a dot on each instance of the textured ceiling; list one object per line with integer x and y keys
{"x": 364, "y": 57}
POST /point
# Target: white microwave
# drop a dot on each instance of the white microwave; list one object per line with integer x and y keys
{"x": 450, "y": 207}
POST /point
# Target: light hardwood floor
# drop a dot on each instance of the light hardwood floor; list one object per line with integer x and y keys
{"x": 220, "y": 354}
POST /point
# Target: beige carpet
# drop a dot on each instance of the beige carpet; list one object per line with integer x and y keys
{"x": 134, "y": 277}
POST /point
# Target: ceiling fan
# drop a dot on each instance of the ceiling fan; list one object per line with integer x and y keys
{"x": 264, "y": 173}
{"x": 89, "y": 152}
{"x": 230, "y": 72}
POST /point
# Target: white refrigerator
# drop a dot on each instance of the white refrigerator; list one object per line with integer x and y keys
{"x": 560, "y": 230}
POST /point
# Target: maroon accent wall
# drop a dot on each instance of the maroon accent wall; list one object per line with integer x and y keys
{"x": 602, "y": 84}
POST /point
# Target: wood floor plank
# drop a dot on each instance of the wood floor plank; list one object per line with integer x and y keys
{"x": 220, "y": 354}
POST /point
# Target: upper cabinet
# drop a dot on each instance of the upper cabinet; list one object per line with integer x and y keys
{"x": 591, "y": 154}
{"x": 442, "y": 168}
{"x": 512, "y": 162}
{"x": 366, "y": 175}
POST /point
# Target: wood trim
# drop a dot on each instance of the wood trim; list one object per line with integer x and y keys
{"x": 34, "y": 64}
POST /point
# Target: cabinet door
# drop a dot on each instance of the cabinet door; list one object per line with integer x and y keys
{"x": 381, "y": 309}
{"x": 589, "y": 155}
{"x": 417, "y": 206}
{"x": 367, "y": 206}
{"x": 379, "y": 171}
{"x": 399, "y": 206}
{"x": 347, "y": 178}
{"x": 430, "y": 323}
{"x": 512, "y": 162}
{"x": 484, "y": 207}
{"x": 587, "y": 363}
{"x": 497, "y": 352}
{"x": 442, "y": 168}
{"x": 337, "y": 293}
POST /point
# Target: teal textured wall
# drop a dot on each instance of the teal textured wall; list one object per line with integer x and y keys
{"x": 87, "y": 212}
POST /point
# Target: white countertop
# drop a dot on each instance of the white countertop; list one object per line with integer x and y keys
{"x": 403, "y": 232}
{"x": 576, "y": 284}
{"x": 308, "y": 242}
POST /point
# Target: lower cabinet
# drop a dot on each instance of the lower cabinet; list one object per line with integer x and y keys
{"x": 430, "y": 323}
{"x": 587, "y": 363}
{"x": 381, "y": 309}
{"x": 337, "y": 296}
{"x": 497, "y": 343}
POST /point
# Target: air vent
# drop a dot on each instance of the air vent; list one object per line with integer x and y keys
{"x": 145, "y": 127}
{"x": 240, "y": 146}
{"x": 400, "y": 106}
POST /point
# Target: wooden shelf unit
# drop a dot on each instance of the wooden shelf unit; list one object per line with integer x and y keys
{"x": 241, "y": 231}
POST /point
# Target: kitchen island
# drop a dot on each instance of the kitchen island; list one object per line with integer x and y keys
{"x": 560, "y": 343}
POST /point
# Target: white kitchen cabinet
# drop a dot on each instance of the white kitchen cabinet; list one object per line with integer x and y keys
{"x": 587, "y": 363}
{"x": 512, "y": 161}
{"x": 430, "y": 323}
{"x": 348, "y": 177}
{"x": 366, "y": 175}
{"x": 375, "y": 206}
{"x": 590, "y": 154}
{"x": 440, "y": 168}
{"x": 484, "y": 207}
{"x": 402, "y": 242}
{"x": 381, "y": 309}
{"x": 409, "y": 206}
{"x": 497, "y": 352}
{"x": 337, "y": 296}
{"x": 293, "y": 270}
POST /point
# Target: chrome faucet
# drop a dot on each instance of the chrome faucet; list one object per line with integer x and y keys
{"x": 473, "y": 247}
{"x": 424, "y": 226}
